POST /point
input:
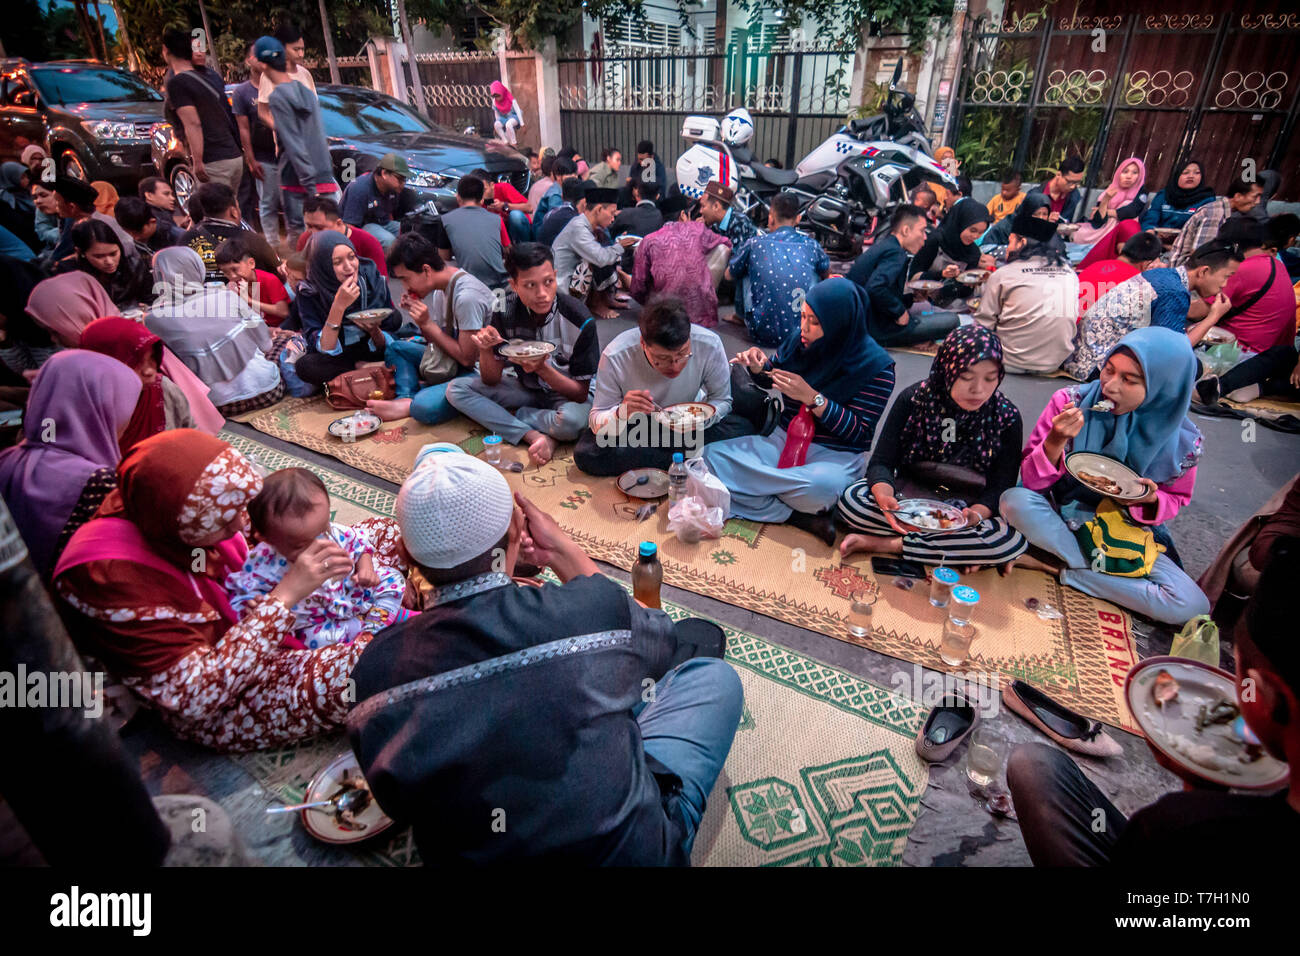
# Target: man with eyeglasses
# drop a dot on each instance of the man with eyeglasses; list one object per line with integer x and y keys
{"x": 1063, "y": 190}
{"x": 663, "y": 362}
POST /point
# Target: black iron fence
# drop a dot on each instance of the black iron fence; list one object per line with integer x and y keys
{"x": 455, "y": 88}
{"x": 1220, "y": 86}
{"x": 797, "y": 97}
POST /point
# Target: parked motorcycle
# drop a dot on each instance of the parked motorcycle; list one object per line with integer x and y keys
{"x": 846, "y": 187}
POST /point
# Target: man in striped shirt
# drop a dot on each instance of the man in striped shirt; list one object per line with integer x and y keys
{"x": 1206, "y": 222}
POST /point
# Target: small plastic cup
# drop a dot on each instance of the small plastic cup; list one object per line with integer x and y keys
{"x": 492, "y": 450}
{"x": 962, "y": 605}
{"x": 942, "y": 582}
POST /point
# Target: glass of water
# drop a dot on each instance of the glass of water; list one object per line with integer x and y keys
{"x": 492, "y": 450}
{"x": 941, "y": 585}
{"x": 860, "y": 613}
{"x": 985, "y": 756}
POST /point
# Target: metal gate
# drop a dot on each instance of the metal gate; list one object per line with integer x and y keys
{"x": 1218, "y": 86}
{"x": 797, "y": 94}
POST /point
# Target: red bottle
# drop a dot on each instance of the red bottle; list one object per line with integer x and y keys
{"x": 797, "y": 439}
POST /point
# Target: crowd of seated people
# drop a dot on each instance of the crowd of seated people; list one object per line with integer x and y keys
{"x": 229, "y": 600}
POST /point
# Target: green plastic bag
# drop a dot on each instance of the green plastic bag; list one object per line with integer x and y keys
{"x": 1198, "y": 641}
{"x": 1220, "y": 358}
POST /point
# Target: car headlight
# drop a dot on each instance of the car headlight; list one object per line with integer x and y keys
{"x": 107, "y": 129}
{"x": 427, "y": 179}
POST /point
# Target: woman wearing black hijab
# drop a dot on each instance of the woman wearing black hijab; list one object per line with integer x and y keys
{"x": 338, "y": 285}
{"x": 1185, "y": 193}
{"x": 951, "y": 249}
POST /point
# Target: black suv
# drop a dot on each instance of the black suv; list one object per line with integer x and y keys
{"x": 94, "y": 120}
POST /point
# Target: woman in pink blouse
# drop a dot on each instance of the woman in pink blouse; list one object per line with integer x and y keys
{"x": 1148, "y": 377}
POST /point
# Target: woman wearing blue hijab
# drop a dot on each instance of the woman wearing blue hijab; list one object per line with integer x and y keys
{"x": 338, "y": 285}
{"x": 831, "y": 367}
{"x": 1148, "y": 377}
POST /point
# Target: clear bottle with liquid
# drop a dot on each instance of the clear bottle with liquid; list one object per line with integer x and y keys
{"x": 647, "y": 575}
{"x": 677, "y": 479}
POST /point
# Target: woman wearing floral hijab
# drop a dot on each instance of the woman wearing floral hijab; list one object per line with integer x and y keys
{"x": 144, "y": 582}
{"x": 953, "y": 436}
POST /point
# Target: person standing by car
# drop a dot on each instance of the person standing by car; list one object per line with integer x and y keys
{"x": 304, "y": 157}
{"x": 295, "y": 51}
{"x": 198, "y": 96}
{"x": 258, "y": 143}
{"x": 371, "y": 202}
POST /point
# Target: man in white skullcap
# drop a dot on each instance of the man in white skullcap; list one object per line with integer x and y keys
{"x": 564, "y": 723}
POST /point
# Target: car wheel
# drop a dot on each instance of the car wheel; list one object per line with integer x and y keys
{"x": 183, "y": 185}
{"x": 70, "y": 165}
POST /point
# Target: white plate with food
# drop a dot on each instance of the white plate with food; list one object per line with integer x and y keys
{"x": 684, "y": 415}
{"x": 925, "y": 285}
{"x": 1189, "y": 714}
{"x": 644, "y": 483}
{"x": 973, "y": 276}
{"x": 1165, "y": 234}
{"x": 368, "y": 316}
{"x": 1218, "y": 336}
{"x": 929, "y": 515}
{"x": 328, "y": 825}
{"x": 357, "y": 425}
{"x": 519, "y": 349}
{"x": 1106, "y": 476}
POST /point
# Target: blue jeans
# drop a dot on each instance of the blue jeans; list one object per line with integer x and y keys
{"x": 518, "y": 228}
{"x": 386, "y": 234}
{"x": 511, "y": 410}
{"x": 429, "y": 404}
{"x": 688, "y": 727}
{"x": 271, "y": 200}
{"x": 1166, "y": 595}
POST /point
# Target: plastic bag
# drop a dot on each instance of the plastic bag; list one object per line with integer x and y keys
{"x": 690, "y": 519}
{"x": 1220, "y": 358}
{"x": 705, "y": 485}
{"x": 1198, "y": 641}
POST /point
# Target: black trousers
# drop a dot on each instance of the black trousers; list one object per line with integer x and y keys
{"x": 613, "y": 459}
{"x": 317, "y": 368}
{"x": 748, "y": 413}
{"x": 1064, "y": 818}
{"x": 1270, "y": 370}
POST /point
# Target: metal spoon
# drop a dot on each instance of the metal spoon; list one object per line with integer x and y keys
{"x": 352, "y": 799}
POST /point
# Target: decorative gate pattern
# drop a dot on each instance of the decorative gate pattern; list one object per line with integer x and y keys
{"x": 1221, "y": 84}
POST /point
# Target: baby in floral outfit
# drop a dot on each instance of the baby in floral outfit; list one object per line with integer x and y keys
{"x": 291, "y": 512}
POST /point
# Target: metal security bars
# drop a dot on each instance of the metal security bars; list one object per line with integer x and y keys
{"x": 1219, "y": 85}
{"x": 798, "y": 95}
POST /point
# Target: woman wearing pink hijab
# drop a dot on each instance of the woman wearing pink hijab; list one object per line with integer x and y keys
{"x": 508, "y": 118}
{"x": 1120, "y": 205}
{"x": 68, "y": 303}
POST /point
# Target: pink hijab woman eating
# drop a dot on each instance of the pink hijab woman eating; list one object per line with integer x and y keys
{"x": 1115, "y": 217}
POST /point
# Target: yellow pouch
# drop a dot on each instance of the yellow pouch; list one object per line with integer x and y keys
{"x": 1115, "y": 545}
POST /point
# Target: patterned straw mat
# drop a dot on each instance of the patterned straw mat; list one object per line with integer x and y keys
{"x": 823, "y": 771}
{"x": 1081, "y": 659}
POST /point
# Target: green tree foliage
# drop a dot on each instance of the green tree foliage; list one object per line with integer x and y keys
{"x": 841, "y": 22}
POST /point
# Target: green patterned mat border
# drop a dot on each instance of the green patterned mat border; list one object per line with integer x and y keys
{"x": 815, "y": 679}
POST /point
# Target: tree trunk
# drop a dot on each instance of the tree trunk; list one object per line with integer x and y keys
{"x": 83, "y": 26}
{"x": 416, "y": 88}
{"x": 103, "y": 40}
{"x": 209, "y": 40}
{"x": 124, "y": 38}
{"x": 329, "y": 44}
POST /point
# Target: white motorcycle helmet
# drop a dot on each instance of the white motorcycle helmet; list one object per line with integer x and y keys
{"x": 737, "y": 127}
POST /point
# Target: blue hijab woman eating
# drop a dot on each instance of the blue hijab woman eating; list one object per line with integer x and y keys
{"x": 339, "y": 285}
{"x": 835, "y": 382}
{"x": 1146, "y": 380}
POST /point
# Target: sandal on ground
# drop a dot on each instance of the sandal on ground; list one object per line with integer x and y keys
{"x": 945, "y": 727}
{"x": 1070, "y": 730}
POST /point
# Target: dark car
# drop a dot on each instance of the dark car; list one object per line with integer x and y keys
{"x": 94, "y": 120}
{"x": 361, "y": 126}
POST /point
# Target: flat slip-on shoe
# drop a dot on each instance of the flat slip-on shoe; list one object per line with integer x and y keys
{"x": 946, "y": 726}
{"x": 1070, "y": 730}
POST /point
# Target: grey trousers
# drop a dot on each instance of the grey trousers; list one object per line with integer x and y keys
{"x": 511, "y": 410}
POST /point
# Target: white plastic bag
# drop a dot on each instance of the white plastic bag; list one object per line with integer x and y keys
{"x": 703, "y": 510}
{"x": 703, "y": 484}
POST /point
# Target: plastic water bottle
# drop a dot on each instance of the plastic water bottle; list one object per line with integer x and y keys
{"x": 677, "y": 478}
{"x": 647, "y": 575}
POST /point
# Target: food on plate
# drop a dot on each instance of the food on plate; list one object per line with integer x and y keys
{"x": 686, "y": 414}
{"x": 1204, "y": 755}
{"x": 1220, "y": 712}
{"x": 1107, "y": 486}
{"x": 926, "y": 517}
{"x": 364, "y": 316}
{"x": 1165, "y": 688}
